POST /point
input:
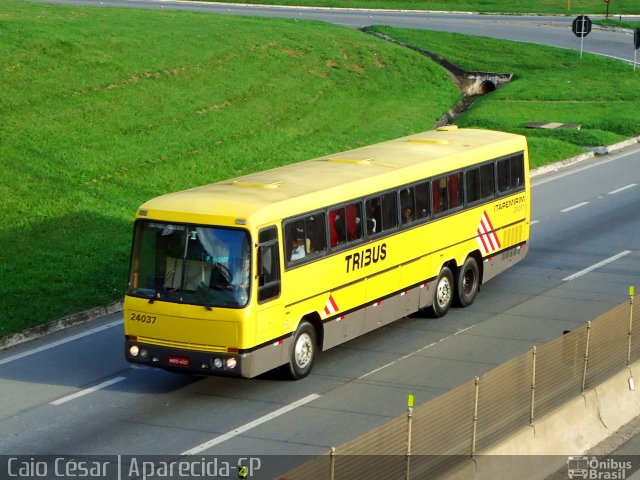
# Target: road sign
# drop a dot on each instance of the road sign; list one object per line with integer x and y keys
{"x": 581, "y": 26}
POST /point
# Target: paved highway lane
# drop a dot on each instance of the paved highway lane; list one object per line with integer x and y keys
{"x": 72, "y": 393}
{"x": 546, "y": 30}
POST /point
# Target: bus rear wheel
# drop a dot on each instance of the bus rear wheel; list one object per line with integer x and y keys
{"x": 444, "y": 293}
{"x": 303, "y": 351}
{"x": 467, "y": 282}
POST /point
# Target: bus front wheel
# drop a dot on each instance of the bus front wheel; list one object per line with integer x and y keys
{"x": 467, "y": 282}
{"x": 303, "y": 352}
{"x": 444, "y": 293}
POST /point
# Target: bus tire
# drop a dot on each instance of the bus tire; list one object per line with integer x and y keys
{"x": 467, "y": 283}
{"x": 443, "y": 296}
{"x": 303, "y": 351}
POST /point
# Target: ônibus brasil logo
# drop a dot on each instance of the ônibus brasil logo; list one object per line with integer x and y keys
{"x": 597, "y": 469}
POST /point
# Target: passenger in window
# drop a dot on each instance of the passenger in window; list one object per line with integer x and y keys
{"x": 373, "y": 216}
{"x": 298, "y": 250}
{"x": 407, "y": 215}
{"x": 371, "y": 225}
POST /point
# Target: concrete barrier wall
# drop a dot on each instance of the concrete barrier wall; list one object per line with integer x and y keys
{"x": 570, "y": 430}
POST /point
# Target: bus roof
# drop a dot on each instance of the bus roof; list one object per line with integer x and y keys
{"x": 313, "y": 184}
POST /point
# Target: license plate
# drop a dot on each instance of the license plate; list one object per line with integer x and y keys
{"x": 182, "y": 361}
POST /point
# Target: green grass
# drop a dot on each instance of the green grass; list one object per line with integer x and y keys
{"x": 550, "y": 85}
{"x": 611, "y": 22}
{"x": 104, "y": 108}
{"x": 558, "y": 7}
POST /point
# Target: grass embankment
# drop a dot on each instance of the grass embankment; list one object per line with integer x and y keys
{"x": 611, "y": 22}
{"x": 104, "y": 108}
{"x": 556, "y": 7}
{"x": 550, "y": 85}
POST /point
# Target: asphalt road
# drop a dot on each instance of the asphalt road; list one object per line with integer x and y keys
{"x": 72, "y": 393}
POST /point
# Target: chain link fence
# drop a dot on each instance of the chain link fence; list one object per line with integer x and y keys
{"x": 453, "y": 427}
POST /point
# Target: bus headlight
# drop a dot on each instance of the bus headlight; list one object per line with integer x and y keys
{"x": 231, "y": 363}
{"x": 217, "y": 362}
{"x": 134, "y": 350}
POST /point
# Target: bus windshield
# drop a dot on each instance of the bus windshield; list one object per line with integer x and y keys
{"x": 208, "y": 266}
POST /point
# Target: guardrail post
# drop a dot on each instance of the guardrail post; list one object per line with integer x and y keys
{"x": 533, "y": 384}
{"x": 631, "y": 294}
{"x": 586, "y": 357}
{"x": 475, "y": 418}
{"x": 409, "y": 425}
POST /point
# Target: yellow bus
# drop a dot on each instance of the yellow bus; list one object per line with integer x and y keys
{"x": 242, "y": 276}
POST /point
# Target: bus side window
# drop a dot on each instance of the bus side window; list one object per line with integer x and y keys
{"x": 382, "y": 213}
{"x": 511, "y": 173}
{"x": 304, "y": 236}
{"x": 344, "y": 224}
{"x": 268, "y": 264}
{"x": 454, "y": 182}
{"x": 389, "y": 211}
{"x": 407, "y": 205}
{"x": 353, "y": 216}
{"x": 487, "y": 181}
{"x": 447, "y": 192}
{"x": 422, "y": 200}
{"x": 440, "y": 195}
{"x": 374, "y": 221}
{"x": 315, "y": 231}
{"x": 480, "y": 183}
{"x": 337, "y": 229}
{"x": 294, "y": 243}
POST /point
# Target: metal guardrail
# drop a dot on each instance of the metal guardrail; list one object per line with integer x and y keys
{"x": 453, "y": 427}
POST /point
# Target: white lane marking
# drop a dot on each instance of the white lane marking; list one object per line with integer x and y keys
{"x": 597, "y": 265}
{"x": 250, "y": 425}
{"x": 573, "y": 207}
{"x": 613, "y": 192}
{"x": 414, "y": 353}
{"x": 533, "y": 222}
{"x": 59, "y": 342}
{"x": 87, "y": 391}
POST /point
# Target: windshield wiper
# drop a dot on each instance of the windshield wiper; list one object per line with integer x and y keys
{"x": 154, "y": 296}
{"x": 201, "y": 295}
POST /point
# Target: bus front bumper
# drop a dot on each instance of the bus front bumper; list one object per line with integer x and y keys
{"x": 186, "y": 361}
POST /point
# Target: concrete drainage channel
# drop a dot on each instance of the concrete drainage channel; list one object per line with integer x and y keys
{"x": 470, "y": 83}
